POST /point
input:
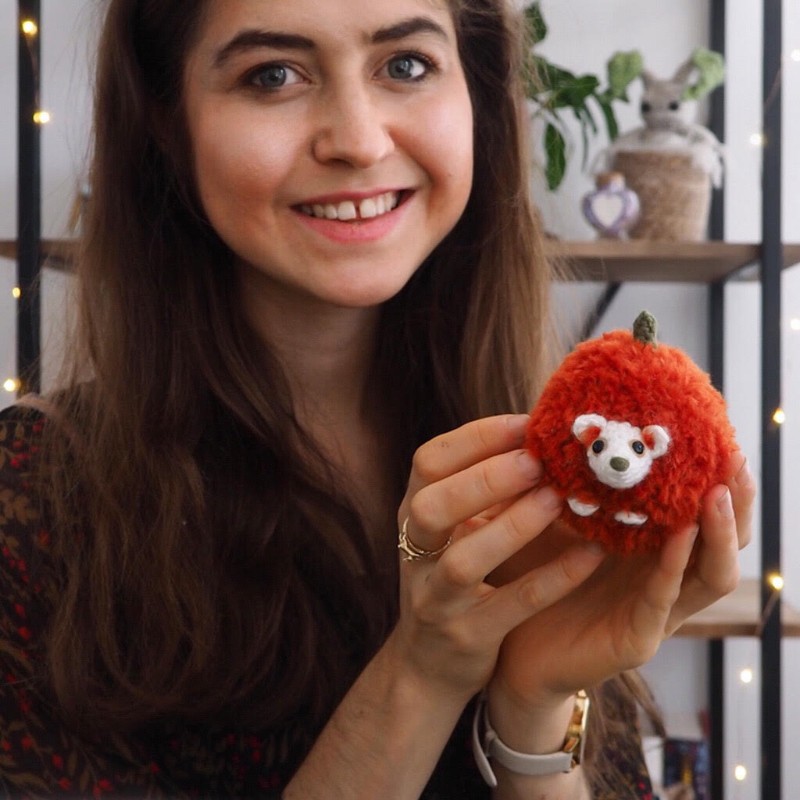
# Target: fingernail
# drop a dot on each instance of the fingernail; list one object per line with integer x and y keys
{"x": 744, "y": 477}
{"x": 518, "y": 424}
{"x": 548, "y": 497}
{"x": 530, "y": 467}
{"x": 594, "y": 548}
{"x": 724, "y": 505}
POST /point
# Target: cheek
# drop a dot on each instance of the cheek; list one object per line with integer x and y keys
{"x": 444, "y": 133}
{"x": 236, "y": 163}
{"x": 458, "y": 141}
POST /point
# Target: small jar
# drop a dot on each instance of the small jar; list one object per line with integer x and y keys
{"x": 612, "y": 208}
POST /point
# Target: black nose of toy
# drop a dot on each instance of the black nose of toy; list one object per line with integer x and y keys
{"x": 619, "y": 464}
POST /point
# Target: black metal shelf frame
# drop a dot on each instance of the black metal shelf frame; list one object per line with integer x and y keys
{"x": 29, "y": 198}
{"x": 771, "y": 386}
{"x": 29, "y": 342}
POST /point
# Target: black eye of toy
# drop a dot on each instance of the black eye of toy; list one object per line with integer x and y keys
{"x": 674, "y": 106}
{"x": 646, "y": 107}
{"x": 637, "y": 447}
{"x": 598, "y": 446}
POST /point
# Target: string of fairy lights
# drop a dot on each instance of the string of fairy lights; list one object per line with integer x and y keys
{"x": 746, "y": 676}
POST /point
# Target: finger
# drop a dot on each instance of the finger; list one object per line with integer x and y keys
{"x": 715, "y": 570}
{"x": 470, "y": 559}
{"x": 513, "y": 603}
{"x": 458, "y": 449}
{"x": 439, "y": 507}
{"x": 663, "y": 587}
{"x": 743, "y": 492}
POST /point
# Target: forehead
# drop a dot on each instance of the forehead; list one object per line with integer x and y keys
{"x": 325, "y": 17}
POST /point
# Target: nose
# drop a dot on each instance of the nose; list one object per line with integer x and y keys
{"x": 619, "y": 464}
{"x": 352, "y": 128}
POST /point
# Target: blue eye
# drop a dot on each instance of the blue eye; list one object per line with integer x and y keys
{"x": 407, "y": 67}
{"x": 638, "y": 447}
{"x": 273, "y": 76}
{"x": 598, "y": 446}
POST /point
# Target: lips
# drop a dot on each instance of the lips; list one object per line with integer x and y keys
{"x": 355, "y": 209}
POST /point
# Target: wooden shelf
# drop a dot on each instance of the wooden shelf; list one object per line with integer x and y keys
{"x": 641, "y": 260}
{"x": 599, "y": 260}
{"x": 57, "y": 252}
{"x": 737, "y": 614}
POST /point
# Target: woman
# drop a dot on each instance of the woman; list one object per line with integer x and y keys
{"x": 311, "y": 270}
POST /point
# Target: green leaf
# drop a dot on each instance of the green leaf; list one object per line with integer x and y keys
{"x": 623, "y": 68}
{"x": 556, "y": 156}
{"x": 711, "y": 70}
{"x": 573, "y": 93}
{"x": 612, "y": 126}
{"x": 534, "y": 21}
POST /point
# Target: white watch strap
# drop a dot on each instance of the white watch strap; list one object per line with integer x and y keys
{"x": 491, "y": 746}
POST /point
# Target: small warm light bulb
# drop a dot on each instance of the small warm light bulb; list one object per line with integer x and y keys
{"x": 16, "y": 293}
{"x": 740, "y": 772}
{"x": 779, "y": 417}
{"x": 794, "y": 323}
{"x": 29, "y": 27}
{"x": 42, "y": 117}
{"x": 758, "y": 139}
{"x": 746, "y": 675}
{"x": 776, "y": 581}
{"x": 11, "y": 385}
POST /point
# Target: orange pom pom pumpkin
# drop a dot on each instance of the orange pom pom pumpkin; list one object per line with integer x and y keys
{"x": 633, "y": 435}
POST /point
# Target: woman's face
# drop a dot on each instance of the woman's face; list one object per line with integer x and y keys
{"x": 332, "y": 141}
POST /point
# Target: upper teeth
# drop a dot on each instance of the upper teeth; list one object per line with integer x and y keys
{"x": 348, "y": 209}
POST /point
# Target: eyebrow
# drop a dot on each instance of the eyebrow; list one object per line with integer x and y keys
{"x": 252, "y": 39}
{"x": 406, "y": 28}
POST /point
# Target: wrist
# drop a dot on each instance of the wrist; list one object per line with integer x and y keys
{"x": 532, "y": 727}
{"x": 535, "y": 734}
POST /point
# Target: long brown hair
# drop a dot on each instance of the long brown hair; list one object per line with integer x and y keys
{"x": 213, "y": 567}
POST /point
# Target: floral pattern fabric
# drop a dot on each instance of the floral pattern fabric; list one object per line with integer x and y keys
{"x": 40, "y": 756}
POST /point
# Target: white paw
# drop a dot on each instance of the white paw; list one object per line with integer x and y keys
{"x": 581, "y": 509}
{"x": 630, "y": 518}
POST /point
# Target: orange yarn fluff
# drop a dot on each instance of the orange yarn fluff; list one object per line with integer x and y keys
{"x": 633, "y": 435}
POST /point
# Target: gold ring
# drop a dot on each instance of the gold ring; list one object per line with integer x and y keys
{"x": 413, "y": 553}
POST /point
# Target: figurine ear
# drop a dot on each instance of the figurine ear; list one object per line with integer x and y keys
{"x": 648, "y": 79}
{"x": 684, "y": 72}
{"x": 587, "y": 426}
{"x": 657, "y": 439}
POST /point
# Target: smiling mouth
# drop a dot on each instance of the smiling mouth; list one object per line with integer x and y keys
{"x": 350, "y": 210}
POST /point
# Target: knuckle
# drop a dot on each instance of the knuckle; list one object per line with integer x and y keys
{"x": 728, "y": 583}
{"x": 456, "y": 568}
{"x": 723, "y": 582}
{"x": 569, "y": 571}
{"x": 426, "y": 463}
{"x": 513, "y": 529}
{"x": 483, "y": 482}
{"x": 424, "y": 510}
{"x": 530, "y": 595}
{"x": 483, "y": 432}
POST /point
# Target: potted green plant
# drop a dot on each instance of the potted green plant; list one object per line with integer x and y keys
{"x": 556, "y": 92}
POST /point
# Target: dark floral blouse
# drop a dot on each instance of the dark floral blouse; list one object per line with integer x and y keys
{"x": 41, "y": 756}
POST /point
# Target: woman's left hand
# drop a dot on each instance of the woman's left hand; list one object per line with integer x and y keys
{"x": 618, "y": 618}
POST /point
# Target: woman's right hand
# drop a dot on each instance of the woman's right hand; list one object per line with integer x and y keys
{"x": 477, "y": 486}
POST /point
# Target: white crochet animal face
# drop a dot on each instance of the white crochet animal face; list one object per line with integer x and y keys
{"x": 619, "y": 454}
{"x": 663, "y": 104}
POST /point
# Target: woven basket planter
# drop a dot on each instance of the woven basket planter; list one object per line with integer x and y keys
{"x": 674, "y": 195}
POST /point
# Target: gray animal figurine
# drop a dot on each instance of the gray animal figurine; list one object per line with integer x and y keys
{"x": 668, "y": 110}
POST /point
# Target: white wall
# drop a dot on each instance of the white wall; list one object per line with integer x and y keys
{"x": 583, "y": 33}
{"x": 582, "y": 36}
